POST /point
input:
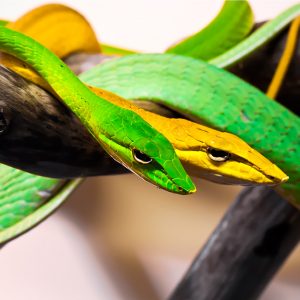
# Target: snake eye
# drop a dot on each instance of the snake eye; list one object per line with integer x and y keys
{"x": 3, "y": 122}
{"x": 217, "y": 155}
{"x": 141, "y": 157}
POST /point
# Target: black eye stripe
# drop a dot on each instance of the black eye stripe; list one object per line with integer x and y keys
{"x": 218, "y": 155}
{"x": 141, "y": 157}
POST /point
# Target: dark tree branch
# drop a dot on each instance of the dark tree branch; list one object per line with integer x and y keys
{"x": 242, "y": 255}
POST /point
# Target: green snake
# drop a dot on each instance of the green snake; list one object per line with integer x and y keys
{"x": 122, "y": 133}
{"x": 146, "y": 60}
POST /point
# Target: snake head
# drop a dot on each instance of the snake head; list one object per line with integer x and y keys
{"x": 147, "y": 153}
{"x": 223, "y": 157}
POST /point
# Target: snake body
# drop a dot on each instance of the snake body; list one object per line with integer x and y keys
{"x": 233, "y": 23}
{"x": 256, "y": 40}
{"x": 26, "y": 199}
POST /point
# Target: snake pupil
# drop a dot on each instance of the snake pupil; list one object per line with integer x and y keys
{"x": 218, "y": 155}
{"x": 141, "y": 157}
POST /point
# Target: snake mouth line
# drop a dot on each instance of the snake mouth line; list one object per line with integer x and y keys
{"x": 274, "y": 180}
{"x": 277, "y": 180}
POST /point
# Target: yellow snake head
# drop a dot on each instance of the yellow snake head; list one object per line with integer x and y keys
{"x": 222, "y": 157}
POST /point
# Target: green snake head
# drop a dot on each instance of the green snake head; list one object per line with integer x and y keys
{"x": 145, "y": 152}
